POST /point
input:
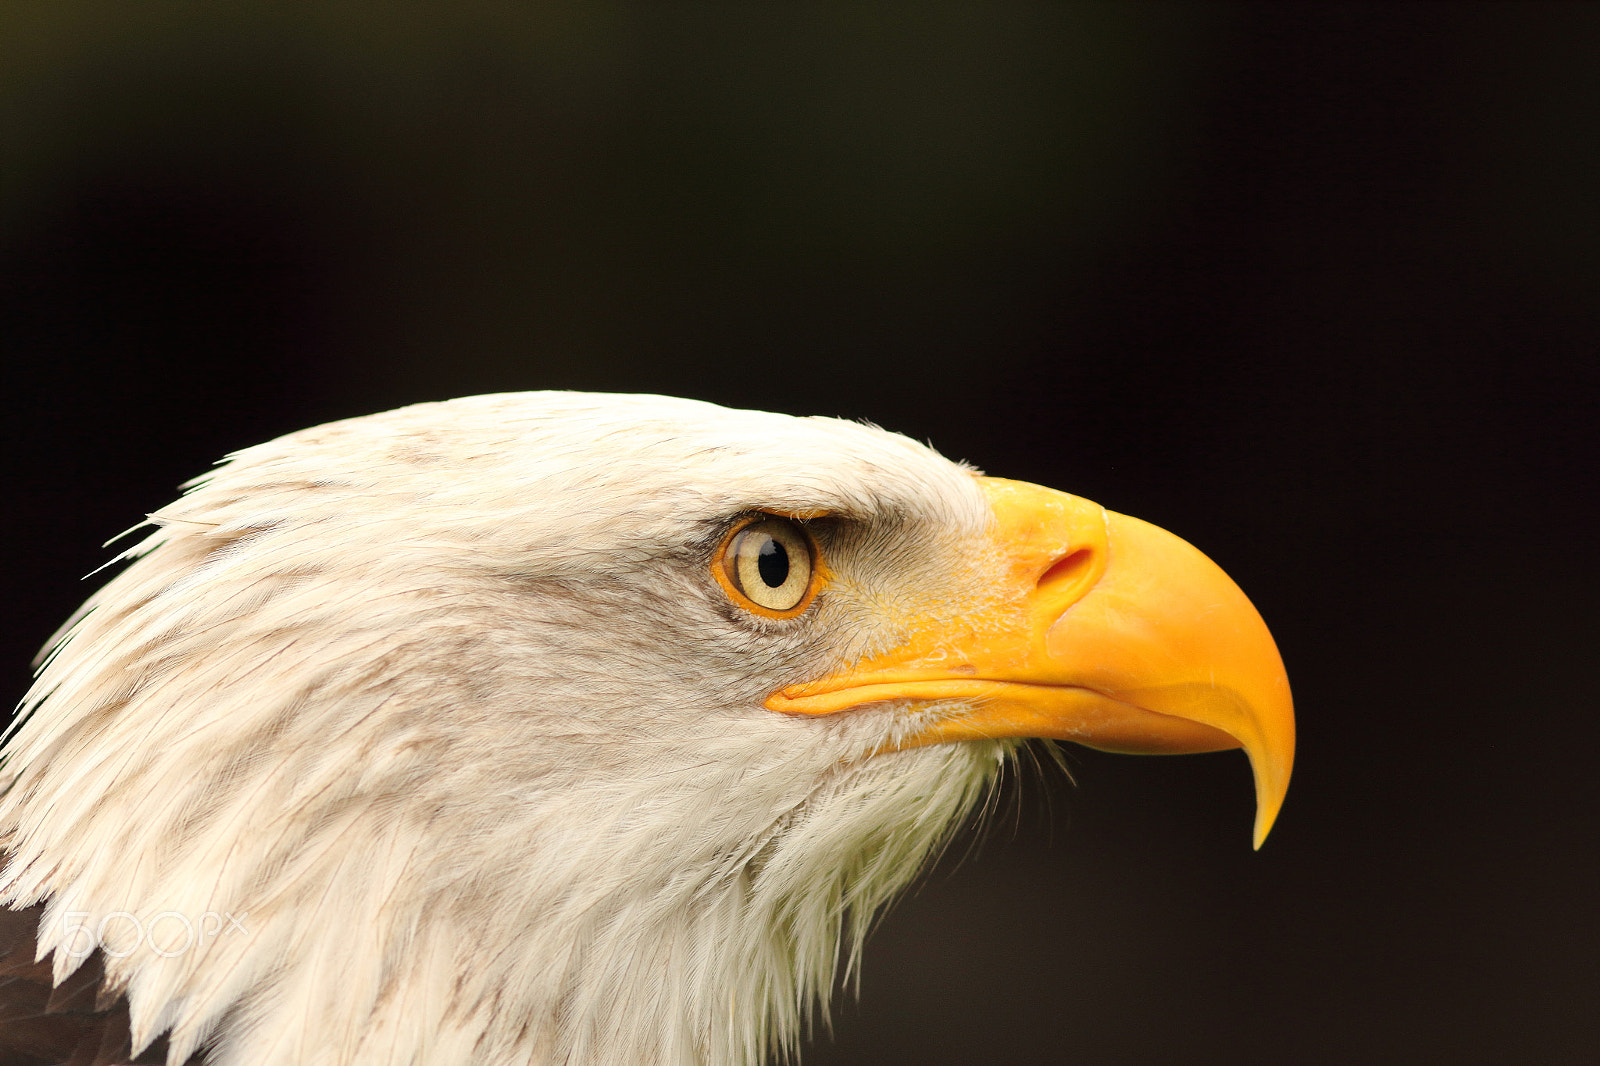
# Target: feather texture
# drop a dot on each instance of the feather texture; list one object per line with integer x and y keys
{"x": 428, "y": 738}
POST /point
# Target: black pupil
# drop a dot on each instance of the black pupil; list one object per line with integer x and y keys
{"x": 772, "y": 563}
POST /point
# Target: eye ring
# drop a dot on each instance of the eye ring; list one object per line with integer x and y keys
{"x": 769, "y": 565}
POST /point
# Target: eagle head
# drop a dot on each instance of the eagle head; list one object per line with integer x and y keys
{"x": 568, "y": 728}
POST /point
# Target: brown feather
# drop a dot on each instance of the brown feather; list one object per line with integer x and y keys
{"x": 73, "y": 1024}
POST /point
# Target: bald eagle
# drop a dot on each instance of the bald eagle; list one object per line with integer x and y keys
{"x": 562, "y": 728}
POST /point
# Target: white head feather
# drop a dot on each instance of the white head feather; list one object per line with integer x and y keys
{"x": 446, "y": 708}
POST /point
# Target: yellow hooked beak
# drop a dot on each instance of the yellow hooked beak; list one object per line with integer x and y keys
{"x": 1107, "y": 631}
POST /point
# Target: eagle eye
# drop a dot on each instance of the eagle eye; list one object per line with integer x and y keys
{"x": 768, "y": 565}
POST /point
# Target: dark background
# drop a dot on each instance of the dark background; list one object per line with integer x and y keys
{"x": 1316, "y": 286}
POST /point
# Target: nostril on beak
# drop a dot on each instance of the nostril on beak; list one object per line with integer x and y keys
{"x": 1067, "y": 570}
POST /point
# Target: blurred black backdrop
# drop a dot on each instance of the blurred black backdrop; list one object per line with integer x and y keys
{"x": 1313, "y": 285}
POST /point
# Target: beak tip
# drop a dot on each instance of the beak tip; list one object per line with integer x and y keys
{"x": 1269, "y": 801}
